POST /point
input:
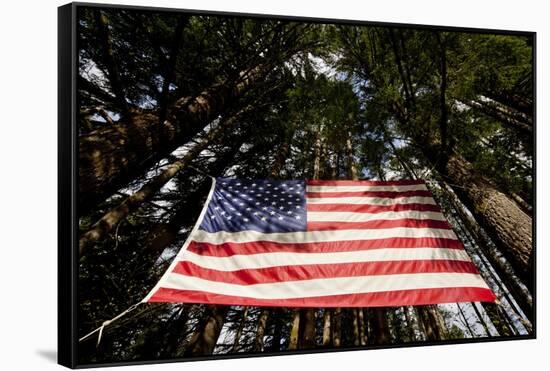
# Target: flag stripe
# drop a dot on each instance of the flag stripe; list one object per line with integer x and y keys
{"x": 328, "y": 286}
{"x": 371, "y": 209}
{"x": 229, "y": 249}
{"x": 375, "y": 299}
{"x": 312, "y": 182}
{"x": 339, "y": 216}
{"x": 308, "y": 272}
{"x": 369, "y": 194}
{"x": 320, "y": 236}
{"x": 373, "y": 188}
{"x": 371, "y": 200}
{"x": 255, "y": 261}
{"x": 378, "y": 224}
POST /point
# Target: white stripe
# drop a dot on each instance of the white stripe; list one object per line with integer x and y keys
{"x": 276, "y": 259}
{"x": 371, "y": 200}
{"x": 320, "y": 236}
{"x": 363, "y": 188}
{"x": 332, "y": 216}
{"x": 185, "y": 244}
{"x": 327, "y": 286}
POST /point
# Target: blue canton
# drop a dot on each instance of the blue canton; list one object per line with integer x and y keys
{"x": 267, "y": 206}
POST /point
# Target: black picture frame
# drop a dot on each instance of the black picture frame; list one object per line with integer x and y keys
{"x": 68, "y": 178}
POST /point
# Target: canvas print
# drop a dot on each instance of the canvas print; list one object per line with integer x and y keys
{"x": 254, "y": 185}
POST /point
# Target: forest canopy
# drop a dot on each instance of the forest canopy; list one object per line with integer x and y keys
{"x": 168, "y": 99}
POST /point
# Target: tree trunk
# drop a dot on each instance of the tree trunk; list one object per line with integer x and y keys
{"x": 110, "y": 157}
{"x": 519, "y": 293}
{"x": 336, "y": 327}
{"x": 204, "y": 339}
{"x": 239, "y": 333}
{"x": 295, "y": 330}
{"x": 379, "y": 325}
{"x": 504, "y": 118}
{"x": 508, "y": 226}
{"x": 260, "y": 331}
{"x": 326, "y": 327}
{"x": 482, "y": 320}
{"x": 277, "y": 330}
{"x": 497, "y": 319}
{"x": 307, "y": 338}
{"x": 111, "y": 219}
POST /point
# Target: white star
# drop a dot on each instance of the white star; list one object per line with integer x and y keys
{"x": 248, "y": 209}
{"x": 212, "y": 216}
{"x": 297, "y": 199}
{"x": 289, "y": 212}
{"x": 281, "y": 208}
{"x": 268, "y": 192}
{"x": 263, "y": 218}
{"x": 239, "y": 214}
{"x": 291, "y": 188}
{"x": 297, "y": 216}
{"x": 290, "y": 203}
{"x": 216, "y": 208}
{"x": 265, "y": 199}
{"x": 238, "y": 184}
{"x": 224, "y": 183}
{"x": 284, "y": 185}
{"x": 281, "y": 218}
{"x": 298, "y": 207}
{"x": 245, "y": 219}
{"x": 276, "y": 188}
{"x": 241, "y": 204}
{"x": 272, "y": 212}
{"x": 261, "y": 188}
{"x": 273, "y": 203}
{"x": 256, "y": 213}
{"x": 257, "y": 203}
{"x": 229, "y": 217}
{"x": 232, "y": 208}
{"x": 264, "y": 208}
{"x": 223, "y": 213}
{"x": 254, "y": 185}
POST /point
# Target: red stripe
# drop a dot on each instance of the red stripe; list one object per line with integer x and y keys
{"x": 318, "y": 271}
{"x": 363, "y": 182}
{"x": 375, "y": 299}
{"x": 378, "y": 224}
{"x": 258, "y": 247}
{"x": 370, "y": 194}
{"x": 372, "y": 209}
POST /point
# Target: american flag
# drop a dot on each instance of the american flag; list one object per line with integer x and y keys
{"x": 318, "y": 243}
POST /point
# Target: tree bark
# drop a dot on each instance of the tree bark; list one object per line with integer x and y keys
{"x": 501, "y": 217}
{"x": 336, "y": 327}
{"x": 110, "y": 157}
{"x": 295, "y": 330}
{"x": 111, "y": 219}
{"x": 519, "y": 293}
{"x": 239, "y": 333}
{"x": 260, "y": 331}
{"x": 379, "y": 325}
{"x": 326, "y": 327}
{"x": 204, "y": 339}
